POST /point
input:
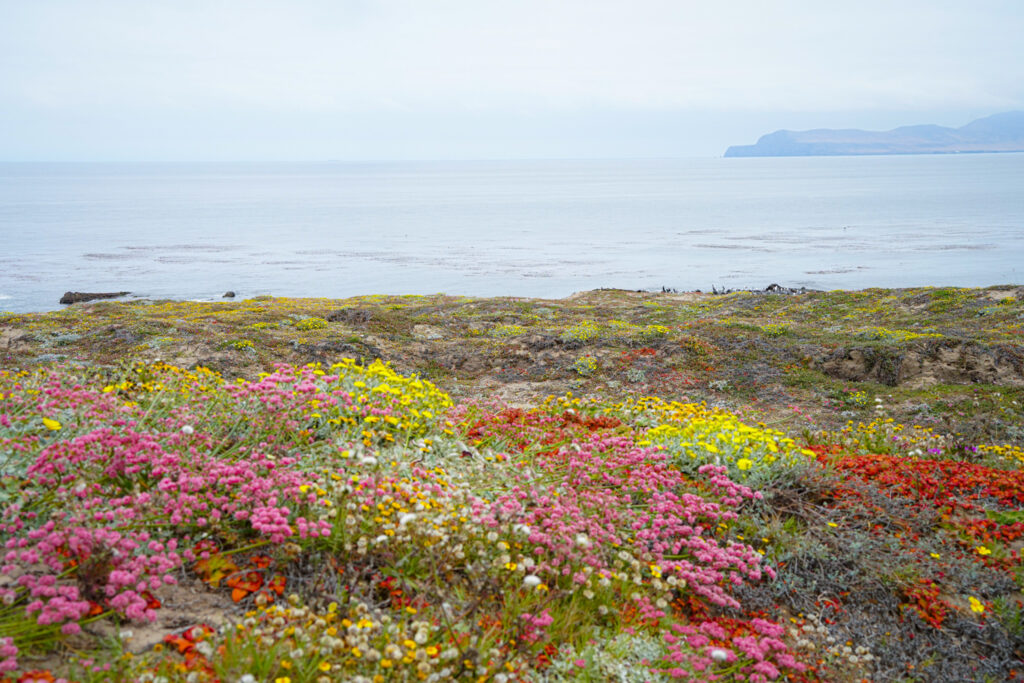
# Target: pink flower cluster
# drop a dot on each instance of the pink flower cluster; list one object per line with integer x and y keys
{"x": 534, "y": 624}
{"x": 8, "y": 654}
{"x": 111, "y": 504}
{"x": 692, "y": 654}
{"x": 616, "y": 495}
{"x": 592, "y": 503}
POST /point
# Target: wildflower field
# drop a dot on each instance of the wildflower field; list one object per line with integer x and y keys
{"x": 613, "y": 488}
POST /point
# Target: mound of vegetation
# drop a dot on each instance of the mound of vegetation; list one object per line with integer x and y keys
{"x": 352, "y": 521}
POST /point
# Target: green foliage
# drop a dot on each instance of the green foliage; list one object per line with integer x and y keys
{"x": 585, "y": 366}
{"x": 851, "y": 399}
{"x": 884, "y": 334}
{"x": 507, "y": 331}
{"x": 583, "y": 331}
{"x": 307, "y": 324}
{"x": 776, "y": 329}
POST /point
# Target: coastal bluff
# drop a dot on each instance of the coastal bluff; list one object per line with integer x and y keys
{"x": 998, "y": 133}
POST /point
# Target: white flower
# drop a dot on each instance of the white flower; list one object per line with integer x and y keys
{"x": 187, "y": 429}
{"x": 719, "y": 655}
{"x": 247, "y": 678}
{"x": 405, "y": 519}
{"x": 368, "y": 460}
{"x": 582, "y": 541}
{"x": 380, "y": 539}
{"x": 531, "y": 580}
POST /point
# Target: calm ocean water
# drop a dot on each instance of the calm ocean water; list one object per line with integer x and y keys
{"x": 521, "y": 228}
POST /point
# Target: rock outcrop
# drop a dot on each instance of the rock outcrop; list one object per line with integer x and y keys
{"x": 947, "y": 362}
{"x": 79, "y": 297}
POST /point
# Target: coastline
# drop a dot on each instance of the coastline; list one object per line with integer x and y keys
{"x": 736, "y": 348}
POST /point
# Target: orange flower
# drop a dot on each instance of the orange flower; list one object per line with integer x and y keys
{"x": 36, "y": 677}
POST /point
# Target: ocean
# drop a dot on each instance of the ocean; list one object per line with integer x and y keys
{"x": 516, "y": 228}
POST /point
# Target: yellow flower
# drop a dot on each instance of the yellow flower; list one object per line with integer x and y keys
{"x": 655, "y": 571}
{"x": 385, "y": 663}
{"x": 52, "y": 425}
{"x": 832, "y": 524}
{"x": 325, "y": 666}
{"x": 744, "y": 463}
{"x": 282, "y": 679}
{"x": 982, "y": 550}
{"x": 935, "y": 555}
{"x": 976, "y": 605}
{"x": 285, "y": 664}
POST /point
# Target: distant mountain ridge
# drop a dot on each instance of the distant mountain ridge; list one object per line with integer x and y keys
{"x": 997, "y": 133}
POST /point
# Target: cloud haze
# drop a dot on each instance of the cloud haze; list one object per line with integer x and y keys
{"x": 455, "y": 78}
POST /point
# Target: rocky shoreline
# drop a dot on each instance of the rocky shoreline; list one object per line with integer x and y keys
{"x": 762, "y": 350}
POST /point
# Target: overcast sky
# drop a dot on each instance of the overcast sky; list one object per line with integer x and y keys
{"x": 447, "y": 79}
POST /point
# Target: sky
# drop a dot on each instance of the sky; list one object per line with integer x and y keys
{"x": 133, "y": 80}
